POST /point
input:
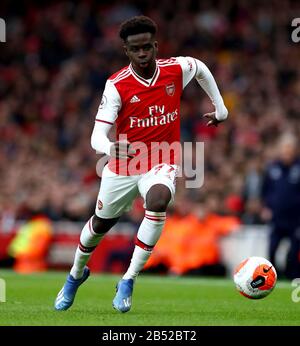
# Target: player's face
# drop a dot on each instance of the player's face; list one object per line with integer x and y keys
{"x": 141, "y": 50}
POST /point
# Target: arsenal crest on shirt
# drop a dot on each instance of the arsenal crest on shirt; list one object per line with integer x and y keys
{"x": 170, "y": 89}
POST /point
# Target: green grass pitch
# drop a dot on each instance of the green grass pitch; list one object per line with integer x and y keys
{"x": 157, "y": 301}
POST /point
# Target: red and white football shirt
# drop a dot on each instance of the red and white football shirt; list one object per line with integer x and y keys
{"x": 147, "y": 112}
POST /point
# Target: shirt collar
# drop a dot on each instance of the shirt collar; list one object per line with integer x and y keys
{"x": 146, "y": 82}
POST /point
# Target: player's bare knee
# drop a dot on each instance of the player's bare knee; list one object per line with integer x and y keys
{"x": 158, "y": 198}
{"x": 102, "y": 225}
{"x": 158, "y": 206}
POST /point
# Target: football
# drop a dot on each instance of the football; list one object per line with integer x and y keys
{"x": 255, "y": 277}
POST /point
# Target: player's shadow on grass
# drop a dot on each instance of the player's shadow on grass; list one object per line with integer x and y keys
{"x": 206, "y": 270}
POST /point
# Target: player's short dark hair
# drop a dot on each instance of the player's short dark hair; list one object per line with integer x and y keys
{"x": 137, "y": 25}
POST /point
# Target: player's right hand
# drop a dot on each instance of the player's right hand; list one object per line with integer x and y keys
{"x": 122, "y": 150}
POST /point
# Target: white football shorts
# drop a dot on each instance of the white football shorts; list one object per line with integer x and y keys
{"x": 117, "y": 192}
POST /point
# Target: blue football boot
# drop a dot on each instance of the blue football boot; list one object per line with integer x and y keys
{"x": 66, "y": 295}
{"x": 123, "y": 299}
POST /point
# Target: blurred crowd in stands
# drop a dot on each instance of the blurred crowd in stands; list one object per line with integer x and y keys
{"x": 53, "y": 69}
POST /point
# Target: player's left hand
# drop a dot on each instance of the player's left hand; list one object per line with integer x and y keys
{"x": 218, "y": 116}
{"x": 213, "y": 121}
